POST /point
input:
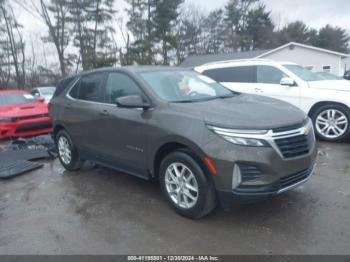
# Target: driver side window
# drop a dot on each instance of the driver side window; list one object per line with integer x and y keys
{"x": 269, "y": 75}
{"x": 120, "y": 85}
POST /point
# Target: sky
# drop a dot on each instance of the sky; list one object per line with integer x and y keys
{"x": 315, "y": 13}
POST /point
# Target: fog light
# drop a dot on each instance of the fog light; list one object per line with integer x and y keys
{"x": 236, "y": 177}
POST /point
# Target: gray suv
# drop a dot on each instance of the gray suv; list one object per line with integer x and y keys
{"x": 205, "y": 143}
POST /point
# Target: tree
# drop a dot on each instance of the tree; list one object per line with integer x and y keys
{"x": 92, "y": 31}
{"x": 13, "y": 43}
{"x": 236, "y": 19}
{"x": 165, "y": 15}
{"x": 298, "y": 32}
{"x": 260, "y": 28}
{"x": 140, "y": 50}
{"x": 55, "y": 15}
{"x": 214, "y": 32}
{"x": 189, "y": 37}
{"x": 333, "y": 38}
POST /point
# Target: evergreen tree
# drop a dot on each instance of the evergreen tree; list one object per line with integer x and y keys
{"x": 214, "y": 32}
{"x": 236, "y": 19}
{"x": 93, "y": 32}
{"x": 190, "y": 38}
{"x": 333, "y": 38}
{"x": 165, "y": 16}
{"x": 296, "y": 32}
{"x": 260, "y": 28}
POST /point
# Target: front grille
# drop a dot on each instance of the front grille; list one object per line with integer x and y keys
{"x": 295, "y": 146}
{"x": 249, "y": 172}
{"x": 294, "y": 179}
{"x": 33, "y": 127}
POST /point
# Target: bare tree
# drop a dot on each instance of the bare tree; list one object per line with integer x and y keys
{"x": 54, "y": 13}
{"x": 15, "y": 43}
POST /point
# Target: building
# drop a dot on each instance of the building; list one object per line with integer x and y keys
{"x": 313, "y": 58}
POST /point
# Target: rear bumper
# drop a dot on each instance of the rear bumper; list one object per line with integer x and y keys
{"x": 25, "y": 128}
{"x": 246, "y": 195}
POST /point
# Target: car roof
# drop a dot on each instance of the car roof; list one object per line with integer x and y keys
{"x": 134, "y": 69}
{"x": 244, "y": 62}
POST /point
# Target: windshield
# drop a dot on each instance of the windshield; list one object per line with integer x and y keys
{"x": 16, "y": 99}
{"x": 328, "y": 76}
{"x": 47, "y": 91}
{"x": 184, "y": 86}
{"x": 303, "y": 73}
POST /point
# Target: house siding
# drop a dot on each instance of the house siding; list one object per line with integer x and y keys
{"x": 308, "y": 57}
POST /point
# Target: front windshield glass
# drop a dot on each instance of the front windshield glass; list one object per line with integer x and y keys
{"x": 47, "y": 91}
{"x": 303, "y": 73}
{"x": 184, "y": 86}
{"x": 329, "y": 76}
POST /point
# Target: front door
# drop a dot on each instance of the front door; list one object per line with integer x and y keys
{"x": 121, "y": 133}
{"x": 268, "y": 84}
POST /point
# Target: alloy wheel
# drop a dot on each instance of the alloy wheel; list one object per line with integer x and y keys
{"x": 181, "y": 185}
{"x": 331, "y": 123}
{"x": 64, "y": 150}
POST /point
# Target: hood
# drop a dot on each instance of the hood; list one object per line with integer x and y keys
{"x": 339, "y": 85}
{"x": 245, "y": 112}
{"x": 23, "y": 110}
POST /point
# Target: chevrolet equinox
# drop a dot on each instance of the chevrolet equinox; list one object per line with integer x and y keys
{"x": 205, "y": 143}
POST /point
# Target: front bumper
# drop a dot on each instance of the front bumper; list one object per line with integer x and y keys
{"x": 24, "y": 128}
{"x": 263, "y": 171}
{"x": 246, "y": 195}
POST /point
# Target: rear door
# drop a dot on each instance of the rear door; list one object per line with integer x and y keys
{"x": 268, "y": 84}
{"x": 82, "y": 113}
{"x": 121, "y": 135}
{"x": 239, "y": 78}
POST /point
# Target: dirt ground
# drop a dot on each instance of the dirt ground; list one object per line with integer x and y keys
{"x": 99, "y": 211}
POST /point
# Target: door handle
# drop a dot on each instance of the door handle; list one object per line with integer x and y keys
{"x": 258, "y": 90}
{"x": 68, "y": 106}
{"x": 104, "y": 113}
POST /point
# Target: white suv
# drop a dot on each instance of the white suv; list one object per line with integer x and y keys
{"x": 327, "y": 102}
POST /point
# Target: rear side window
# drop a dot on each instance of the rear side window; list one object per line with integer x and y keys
{"x": 88, "y": 88}
{"x": 62, "y": 85}
{"x": 242, "y": 74}
{"x": 269, "y": 75}
{"x": 120, "y": 85}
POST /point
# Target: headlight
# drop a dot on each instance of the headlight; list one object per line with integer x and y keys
{"x": 241, "y": 137}
{"x": 5, "y": 120}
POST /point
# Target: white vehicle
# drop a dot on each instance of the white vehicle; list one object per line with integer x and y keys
{"x": 44, "y": 92}
{"x": 327, "y": 102}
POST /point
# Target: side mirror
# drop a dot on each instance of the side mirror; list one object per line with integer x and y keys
{"x": 41, "y": 100}
{"x": 132, "y": 102}
{"x": 287, "y": 81}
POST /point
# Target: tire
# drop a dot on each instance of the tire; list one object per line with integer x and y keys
{"x": 73, "y": 162}
{"x": 332, "y": 122}
{"x": 205, "y": 196}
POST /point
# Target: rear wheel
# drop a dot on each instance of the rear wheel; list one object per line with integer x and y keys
{"x": 185, "y": 186}
{"x": 67, "y": 153}
{"x": 332, "y": 122}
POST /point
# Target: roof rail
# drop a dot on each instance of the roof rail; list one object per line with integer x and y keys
{"x": 238, "y": 60}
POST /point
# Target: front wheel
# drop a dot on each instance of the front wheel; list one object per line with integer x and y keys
{"x": 332, "y": 122}
{"x": 185, "y": 186}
